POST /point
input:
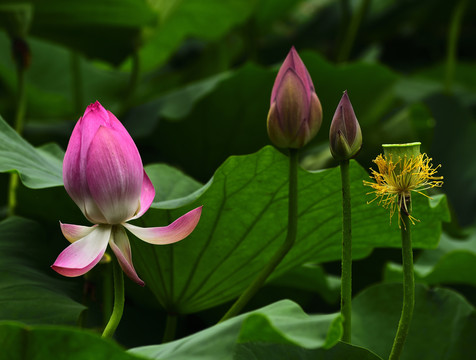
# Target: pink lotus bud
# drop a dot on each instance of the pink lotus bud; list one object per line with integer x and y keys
{"x": 345, "y": 136}
{"x": 103, "y": 174}
{"x": 102, "y": 168}
{"x": 295, "y": 115}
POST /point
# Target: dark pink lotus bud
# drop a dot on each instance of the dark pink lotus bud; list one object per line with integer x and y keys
{"x": 295, "y": 115}
{"x": 345, "y": 135}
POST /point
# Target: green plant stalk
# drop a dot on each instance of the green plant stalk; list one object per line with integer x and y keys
{"x": 408, "y": 289}
{"x": 170, "y": 328}
{"x": 351, "y": 33}
{"x": 452, "y": 47}
{"x": 285, "y": 247}
{"x": 346, "y": 270}
{"x": 118, "y": 308}
{"x": 18, "y": 125}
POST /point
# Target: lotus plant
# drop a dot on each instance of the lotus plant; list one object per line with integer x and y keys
{"x": 294, "y": 118}
{"x": 345, "y": 141}
{"x": 103, "y": 174}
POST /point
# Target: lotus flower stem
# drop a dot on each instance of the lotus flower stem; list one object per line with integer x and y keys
{"x": 170, "y": 328}
{"x": 408, "y": 288}
{"x": 285, "y": 247}
{"x": 118, "y": 301}
{"x": 453, "y": 35}
{"x": 346, "y": 274}
{"x": 21, "y": 65}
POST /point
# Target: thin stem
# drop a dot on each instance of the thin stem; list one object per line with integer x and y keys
{"x": 346, "y": 274}
{"x": 453, "y": 35}
{"x": 170, "y": 328}
{"x": 118, "y": 301}
{"x": 351, "y": 33}
{"x": 285, "y": 247}
{"x": 408, "y": 289}
{"x": 18, "y": 125}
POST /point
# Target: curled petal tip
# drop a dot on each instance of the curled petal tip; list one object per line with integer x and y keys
{"x": 121, "y": 247}
{"x": 178, "y": 230}
{"x": 82, "y": 255}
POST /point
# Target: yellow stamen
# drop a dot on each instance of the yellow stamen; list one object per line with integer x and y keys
{"x": 394, "y": 181}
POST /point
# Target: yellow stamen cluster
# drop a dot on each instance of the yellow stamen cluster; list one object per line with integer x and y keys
{"x": 396, "y": 180}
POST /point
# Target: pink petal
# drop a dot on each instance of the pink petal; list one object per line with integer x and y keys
{"x": 115, "y": 174}
{"x": 178, "y": 230}
{"x": 292, "y": 61}
{"x": 74, "y": 164}
{"x": 82, "y": 255}
{"x": 74, "y": 183}
{"x": 147, "y": 195}
{"x": 119, "y": 243}
{"x": 73, "y": 233}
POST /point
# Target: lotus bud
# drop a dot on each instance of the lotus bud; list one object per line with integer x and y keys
{"x": 295, "y": 115}
{"x": 345, "y": 135}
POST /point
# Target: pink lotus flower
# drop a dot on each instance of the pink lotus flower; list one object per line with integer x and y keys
{"x": 103, "y": 174}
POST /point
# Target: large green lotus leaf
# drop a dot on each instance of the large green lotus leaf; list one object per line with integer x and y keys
{"x": 20, "y": 342}
{"x": 104, "y": 29}
{"x": 37, "y": 168}
{"x": 453, "y": 262}
{"x": 257, "y": 351}
{"x": 209, "y": 20}
{"x": 27, "y": 294}
{"x": 226, "y": 114}
{"x": 443, "y": 324}
{"x": 281, "y": 323}
{"x": 244, "y": 222}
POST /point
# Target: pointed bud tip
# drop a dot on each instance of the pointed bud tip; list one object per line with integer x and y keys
{"x": 295, "y": 113}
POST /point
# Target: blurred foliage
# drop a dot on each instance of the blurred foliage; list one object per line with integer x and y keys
{"x": 191, "y": 81}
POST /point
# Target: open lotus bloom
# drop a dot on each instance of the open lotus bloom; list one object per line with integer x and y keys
{"x": 103, "y": 174}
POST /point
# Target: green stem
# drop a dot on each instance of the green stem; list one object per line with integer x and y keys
{"x": 170, "y": 328}
{"x": 118, "y": 301}
{"x": 408, "y": 289}
{"x": 351, "y": 33}
{"x": 18, "y": 125}
{"x": 453, "y": 35}
{"x": 346, "y": 274}
{"x": 285, "y": 247}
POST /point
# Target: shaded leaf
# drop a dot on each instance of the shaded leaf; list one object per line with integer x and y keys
{"x": 27, "y": 294}
{"x": 104, "y": 29}
{"x": 258, "y": 351}
{"x": 283, "y": 322}
{"x": 453, "y": 262}
{"x": 20, "y": 342}
{"x": 36, "y": 169}
{"x": 312, "y": 278}
{"x": 442, "y": 327}
{"x": 209, "y": 20}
